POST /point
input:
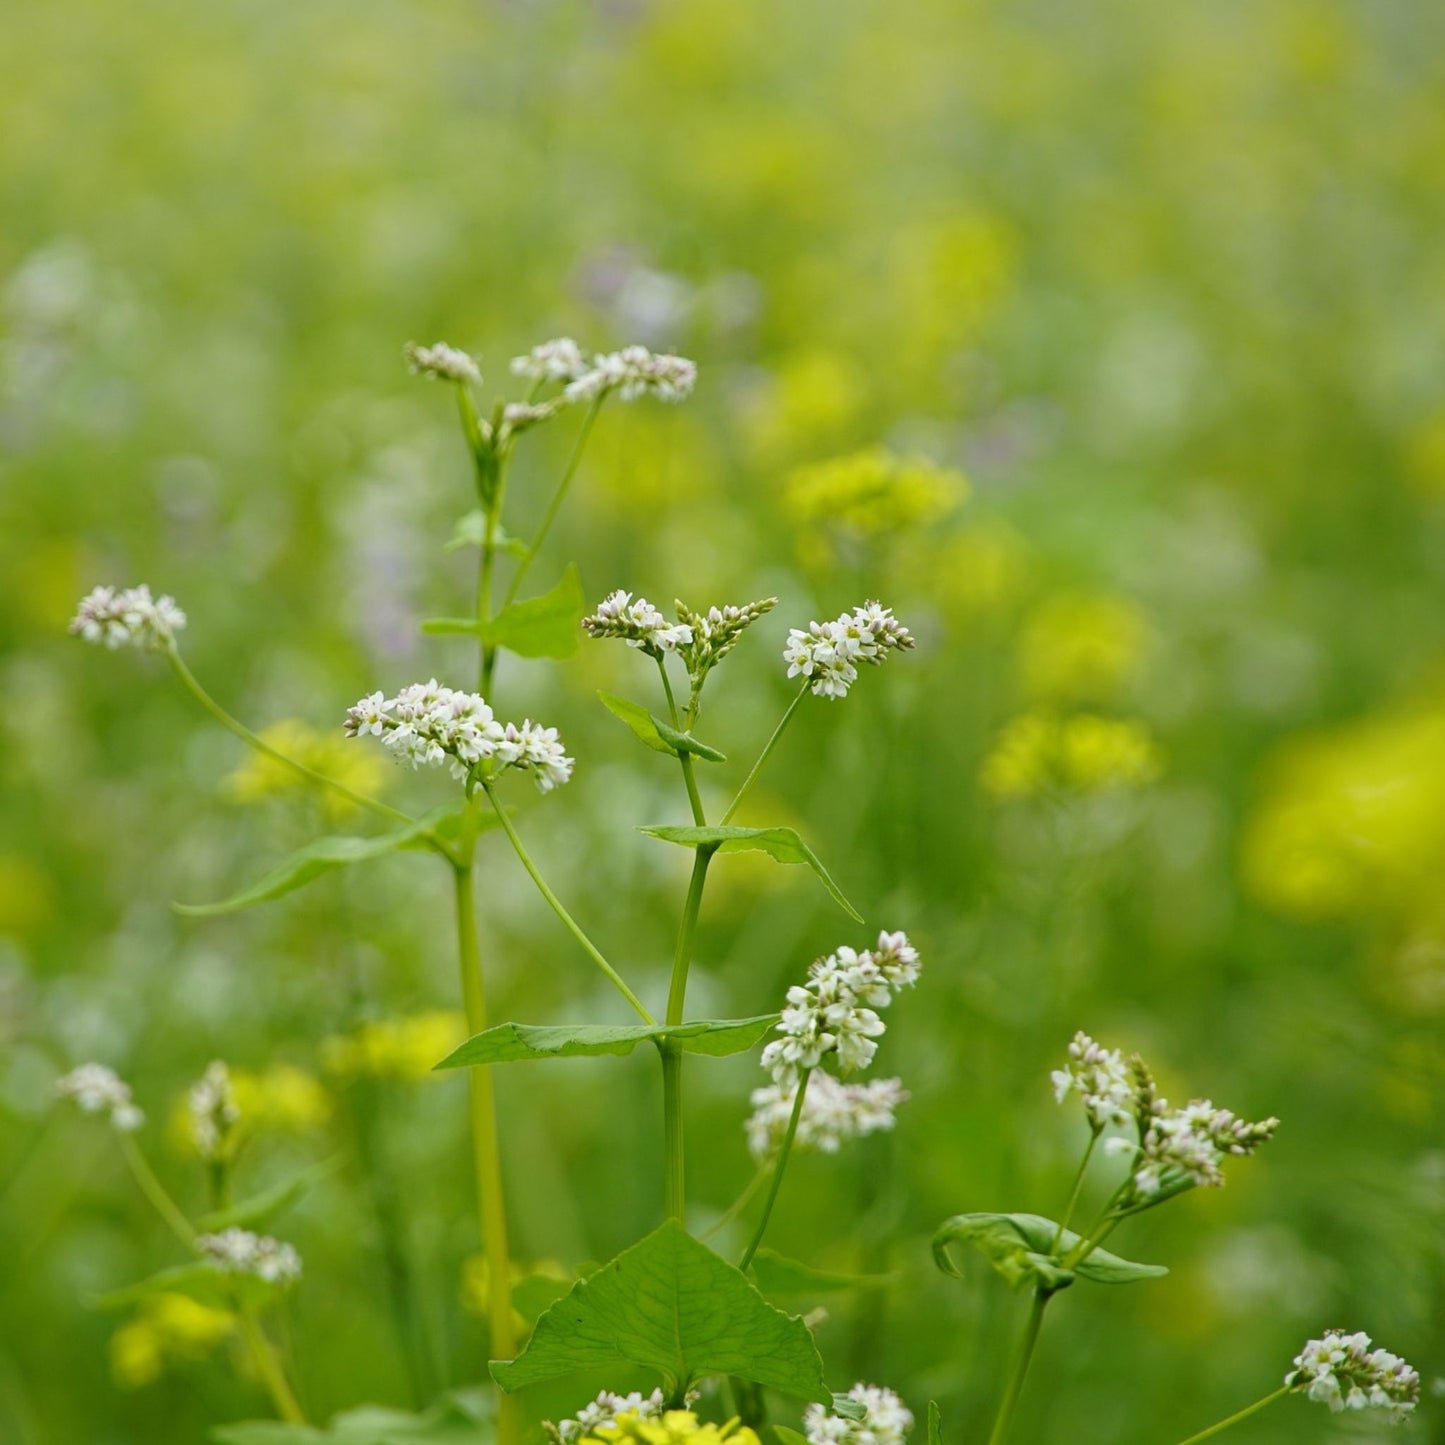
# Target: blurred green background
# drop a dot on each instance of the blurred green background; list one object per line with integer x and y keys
{"x": 1163, "y": 283}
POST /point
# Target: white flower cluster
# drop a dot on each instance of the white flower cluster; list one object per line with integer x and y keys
{"x": 828, "y": 652}
{"x": 887, "y": 1420}
{"x": 1101, "y": 1078}
{"x": 99, "y": 1090}
{"x": 1179, "y": 1148}
{"x": 431, "y": 724}
{"x": 834, "y": 1012}
{"x": 1343, "y": 1372}
{"x": 214, "y": 1112}
{"x": 833, "y": 1113}
{"x": 443, "y": 362}
{"x": 128, "y": 617}
{"x": 630, "y": 373}
{"x": 638, "y": 623}
{"x": 238, "y": 1251}
{"x": 716, "y": 631}
{"x": 602, "y": 1412}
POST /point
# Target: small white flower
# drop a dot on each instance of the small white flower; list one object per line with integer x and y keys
{"x": 833, "y": 1113}
{"x": 827, "y": 652}
{"x": 444, "y": 362}
{"x": 1101, "y": 1078}
{"x": 638, "y": 623}
{"x": 633, "y": 372}
{"x": 238, "y": 1251}
{"x": 214, "y": 1112}
{"x": 127, "y": 617}
{"x": 602, "y": 1412}
{"x": 1343, "y": 1372}
{"x": 887, "y": 1420}
{"x": 97, "y": 1089}
{"x": 557, "y": 360}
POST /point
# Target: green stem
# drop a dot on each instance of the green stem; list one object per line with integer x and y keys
{"x": 193, "y": 686}
{"x": 1020, "y": 1368}
{"x": 1239, "y": 1415}
{"x": 767, "y": 749}
{"x": 156, "y": 1192}
{"x": 268, "y": 1363}
{"x": 555, "y": 505}
{"x": 682, "y": 954}
{"x": 1074, "y": 1192}
{"x": 779, "y": 1165}
{"x": 485, "y": 572}
{"x": 588, "y": 947}
{"x": 674, "y": 1177}
{"x": 486, "y": 1156}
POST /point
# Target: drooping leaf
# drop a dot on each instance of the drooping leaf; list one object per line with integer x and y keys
{"x": 506, "y": 1043}
{"x": 935, "y": 1424}
{"x": 849, "y": 1408}
{"x": 460, "y": 1418}
{"x": 781, "y": 844}
{"x": 545, "y": 626}
{"x": 774, "y": 1274}
{"x": 1021, "y": 1248}
{"x": 326, "y": 855}
{"x": 657, "y": 734}
{"x": 471, "y": 531}
{"x": 671, "y": 1305}
{"x": 270, "y": 1202}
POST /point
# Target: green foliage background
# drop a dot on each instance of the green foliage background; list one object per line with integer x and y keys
{"x": 1165, "y": 282}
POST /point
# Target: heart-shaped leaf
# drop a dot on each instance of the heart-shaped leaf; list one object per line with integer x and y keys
{"x": 657, "y": 734}
{"x": 1021, "y": 1248}
{"x": 506, "y": 1043}
{"x": 326, "y": 855}
{"x": 783, "y": 845}
{"x": 545, "y": 626}
{"x": 671, "y": 1305}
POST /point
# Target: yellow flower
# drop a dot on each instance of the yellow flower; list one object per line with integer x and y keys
{"x": 167, "y": 1328}
{"x": 1041, "y": 752}
{"x": 979, "y": 571}
{"x": 403, "y": 1048}
{"x": 1352, "y": 822}
{"x": 1081, "y": 648}
{"x": 872, "y": 493}
{"x": 671, "y": 1428}
{"x": 327, "y": 753}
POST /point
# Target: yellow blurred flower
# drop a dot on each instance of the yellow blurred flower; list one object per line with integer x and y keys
{"x": 167, "y": 1329}
{"x": 1041, "y": 752}
{"x": 327, "y": 753}
{"x": 27, "y": 896}
{"x": 1425, "y": 457}
{"x": 670, "y": 1428}
{"x": 978, "y": 573}
{"x": 402, "y": 1048}
{"x": 1352, "y": 822}
{"x": 815, "y": 399}
{"x": 1081, "y": 647}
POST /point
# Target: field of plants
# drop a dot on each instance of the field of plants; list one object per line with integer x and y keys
{"x": 1039, "y": 412}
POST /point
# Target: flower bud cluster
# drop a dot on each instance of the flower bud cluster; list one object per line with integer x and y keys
{"x": 630, "y": 373}
{"x": 1101, "y": 1078}
{"x": 834, "y": 1012}
{"x": 716, "y": 631}
{"x": 427, "y": 723}
{"x": 604, "y": 1410}
{"x": 99, "y": 1090}
{"x": 128, "y": 617}
{"x": 887, "y": 1420}
{"x": 238, "y": 1251}
{"x": 828, "y": 652}
{"x": 214, "y": 1113}
{"x": 833, "y": 1113}
{"x": 1343, "y": 1372}
{"x": 638, "y": 623}
{"x": 443, "y": 362}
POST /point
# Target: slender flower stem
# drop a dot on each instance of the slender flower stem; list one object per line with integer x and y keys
{"x": 156, "y": 1192}
{"x": 1239, "y": 1415}
{"x": 689, "y": 777}
{"x": 999, "y": 1433}
{"x": 674, "y": 1176}
{"x": 485, "y": 571}
{"x": 767, "y": 749}
{"x": 588, "y": 947}
{"x": 188, "y": 678}
{"x": 555, "y": 505}
{"x": 268, "y": 1363}
{"x": 687, "y": 931}
{"x": 779, "y": 1165}
{"x": 667, "y": 689}
{"x": 1074, "y": 1192}
{"x": 486, "y": 1155}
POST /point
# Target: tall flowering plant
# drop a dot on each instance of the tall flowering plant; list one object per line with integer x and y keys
{"x": 669, "y": 1303}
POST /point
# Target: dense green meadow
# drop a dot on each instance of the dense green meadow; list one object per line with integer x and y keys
{"x": 1102, "y": 343}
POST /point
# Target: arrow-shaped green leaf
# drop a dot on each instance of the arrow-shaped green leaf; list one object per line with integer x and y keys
{"x": 506, "y": 1043}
